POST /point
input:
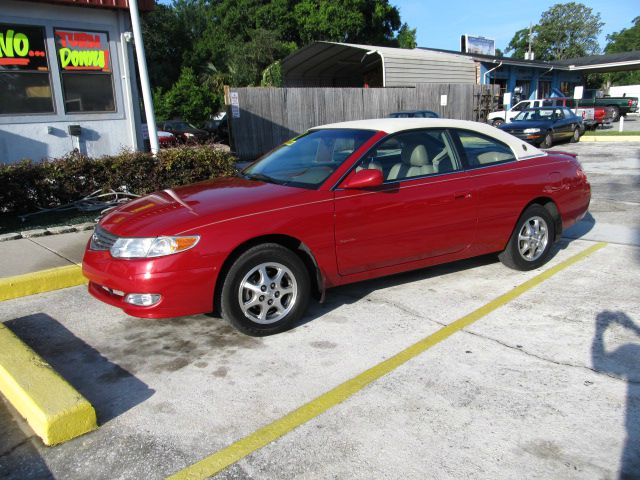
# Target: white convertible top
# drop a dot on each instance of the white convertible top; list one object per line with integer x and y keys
{"x": 520, "y": 148}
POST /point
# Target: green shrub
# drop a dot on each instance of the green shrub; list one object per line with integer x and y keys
{"x": 27, "y": 186}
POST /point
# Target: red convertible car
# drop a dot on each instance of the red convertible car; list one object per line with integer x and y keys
{"x": 342, "y": 203}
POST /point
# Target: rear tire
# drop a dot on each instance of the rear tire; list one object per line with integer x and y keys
{"x": 531, "y": 240}
{"x": 497, "y": 122}
{"x": 266, "y": 290}
{"x": 576, "y": 135}
{"x": 615, "y": 113}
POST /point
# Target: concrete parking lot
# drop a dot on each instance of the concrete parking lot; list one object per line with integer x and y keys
{"x": 545, "y": 385}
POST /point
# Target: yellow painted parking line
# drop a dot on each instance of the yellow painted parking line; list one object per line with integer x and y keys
{"x": 40, "y": 282}
{"x": 228, "y": 456}
{"x": 53, "y": 409}
{"x": 610, "y": 138}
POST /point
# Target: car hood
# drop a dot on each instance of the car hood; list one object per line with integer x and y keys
{"x": 186, "y": 209}
{"x": 525, "y": 124}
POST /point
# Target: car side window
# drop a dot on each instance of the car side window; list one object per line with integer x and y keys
{"x": 413, "y": 154}
{"x": 481, "y": 150}
{"x": 519, "y": 106}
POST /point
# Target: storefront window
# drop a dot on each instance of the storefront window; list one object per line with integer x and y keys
{"x": 567, "y": 88}
{"x": 25, "y": 83}
{"x": 85, "y": 68}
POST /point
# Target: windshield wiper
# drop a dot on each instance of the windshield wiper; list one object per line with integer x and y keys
{"x": 263, "y": 178}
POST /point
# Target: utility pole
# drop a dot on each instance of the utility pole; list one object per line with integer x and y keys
{"x": 144, "y": 77}
{"x": 529, "y": 54}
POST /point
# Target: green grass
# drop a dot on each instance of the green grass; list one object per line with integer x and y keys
{"x": 610, "y": 133}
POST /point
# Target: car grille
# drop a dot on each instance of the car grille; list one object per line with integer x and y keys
{"x": 101, "y": 239}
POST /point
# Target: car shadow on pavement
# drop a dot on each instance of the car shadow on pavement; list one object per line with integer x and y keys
{"x": 111, "y": 389}
{"x": 622, "y": 362}
{"x": 354, "y": 292}
{"x": 581, "y": 228}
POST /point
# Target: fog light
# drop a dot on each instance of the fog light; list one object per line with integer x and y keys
{"x": 143, "y": 299}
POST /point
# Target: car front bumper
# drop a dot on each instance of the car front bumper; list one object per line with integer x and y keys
{"x": 182, "y": 292}
{"x": 533, "y": 138}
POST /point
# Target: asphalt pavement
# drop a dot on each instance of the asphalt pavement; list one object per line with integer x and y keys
{"x": 541, "y": 385}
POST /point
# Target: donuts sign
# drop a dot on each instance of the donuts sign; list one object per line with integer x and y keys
{"x": 82, "y": 50}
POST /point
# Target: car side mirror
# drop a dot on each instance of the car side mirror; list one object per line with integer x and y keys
{"x": 367, "y": 178}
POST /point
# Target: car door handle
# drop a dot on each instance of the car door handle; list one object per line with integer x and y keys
{"x": 462, "y": 195}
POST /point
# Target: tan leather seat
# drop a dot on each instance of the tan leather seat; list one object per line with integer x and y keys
{"x": 415, "y": 162}
{"x": 371, "y": 165}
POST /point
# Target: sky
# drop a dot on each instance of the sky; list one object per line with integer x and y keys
{"x": 439, "y": 24}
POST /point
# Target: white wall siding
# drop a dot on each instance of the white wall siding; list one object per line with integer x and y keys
{"x": 46, "y": 135}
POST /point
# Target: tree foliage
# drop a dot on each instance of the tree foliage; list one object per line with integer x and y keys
{"x": 626, "y": 40}
{"x": 192, "y": 43}
{"x": 519, "y": 44}
{"x": 407, "y": 37}
{"x": 565, "y": 30}
{"x": 189, "y": 99}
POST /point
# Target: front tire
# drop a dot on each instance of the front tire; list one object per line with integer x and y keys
{"x": 531, "y": 240}
{"x": 497, "y": 122}
{"x": 548, "y": 140}
{"x": 266, "y": 290}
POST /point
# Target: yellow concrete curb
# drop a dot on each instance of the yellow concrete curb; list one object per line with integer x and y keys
{"x": 39, "y": 282}
{"x": 610, "y": 138}
{"x": 54, "y": 409}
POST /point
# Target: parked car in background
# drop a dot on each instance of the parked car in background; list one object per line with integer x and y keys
{"x": 596, "y": 98}
{"x": 592, "y": 117}
{"x": 339, "y": 204}
{"x": 545, "y": 125}
{"x": 414, "y": 114}
{"x": 617, "y": 106}
{"x": 218, "y": 128}
{"x": 165, "y": 139}
{"x": 184, "y": 132}
{"x": 595, "y": 117}
{"x": 501, "y": 116}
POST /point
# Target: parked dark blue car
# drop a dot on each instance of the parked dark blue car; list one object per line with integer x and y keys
{"x": 546, "y": 125}
{"x": 414, "y": 114}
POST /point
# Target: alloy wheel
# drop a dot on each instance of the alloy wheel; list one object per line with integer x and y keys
{"x": 533, "y": 238}
{"x": 267, "y": 293}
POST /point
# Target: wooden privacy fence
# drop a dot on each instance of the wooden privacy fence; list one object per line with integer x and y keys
{"x": 262, "y": 118}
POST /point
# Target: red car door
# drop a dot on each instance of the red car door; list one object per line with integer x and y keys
{"x": 425, "y": 208}
{"x": 502, "y": 186}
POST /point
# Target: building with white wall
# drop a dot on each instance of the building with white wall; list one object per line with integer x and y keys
{"x": 67, "y": 79}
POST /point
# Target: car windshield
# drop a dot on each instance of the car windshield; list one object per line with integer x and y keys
{"x": 307, "y": 161}
{"x": 537, "y": 115}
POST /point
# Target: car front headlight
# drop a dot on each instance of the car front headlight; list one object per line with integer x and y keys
{"x": 531, "y": 130}
{"x": 152, "y": 247}
{"x": 188, "y": 135}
